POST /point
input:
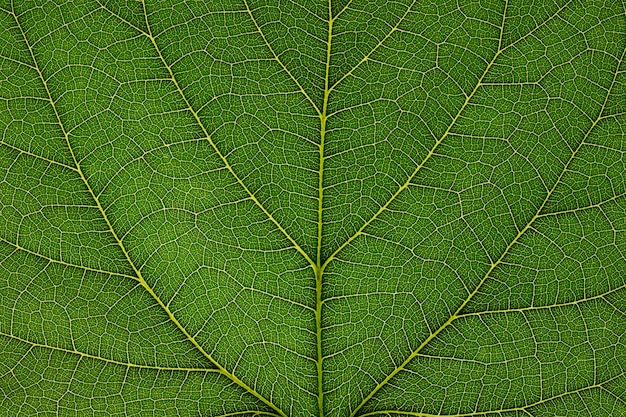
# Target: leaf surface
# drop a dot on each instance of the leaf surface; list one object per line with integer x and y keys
{"x": 313, "y": 208}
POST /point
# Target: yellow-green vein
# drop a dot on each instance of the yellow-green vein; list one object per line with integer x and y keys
{"x": 107, "y": 360}
{"x": 320, "y": 218}
{"x": 577, "y": 209}
{"x": 50, "y": 161}
{"x": 269, "y": 46}
{"x": 492, "y": 412}
{"x": 506, "y": 251}
{"x": 345, "y": 7}
{"x": 248, "y": 412}
{"x": 546, "y": 307}
{"x": 366, "y": 56}
{"x": 438, "y": 142}
{"x": 405, "y": 185}
{"x": 206, "y": 134}
{"x": 60, "y": 262}
{"x": 105, "y": 217}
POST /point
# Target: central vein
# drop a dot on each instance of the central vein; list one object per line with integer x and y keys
{"x": 318, "y": 263}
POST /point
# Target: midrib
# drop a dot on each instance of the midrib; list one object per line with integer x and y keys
{"x": 319, "y": 272}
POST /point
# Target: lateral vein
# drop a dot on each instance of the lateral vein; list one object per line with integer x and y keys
{"x": 105, "y": 217}
{"x": 107, "y": 360}
{"x": 228, "y": 166}
{"x": 457, "y": 313}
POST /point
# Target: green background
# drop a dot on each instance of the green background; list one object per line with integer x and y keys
{"x": 313, "y": 208}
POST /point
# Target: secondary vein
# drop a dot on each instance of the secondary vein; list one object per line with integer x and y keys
{"x": 494, "y": 265}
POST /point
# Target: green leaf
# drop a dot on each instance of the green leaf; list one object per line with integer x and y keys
{"x": 313, "y": 208}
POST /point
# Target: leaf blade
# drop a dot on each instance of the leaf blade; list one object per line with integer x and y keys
{"x": 312, "y": 208}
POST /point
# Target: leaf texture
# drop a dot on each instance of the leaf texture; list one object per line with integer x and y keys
{"x": 313, "y": 208}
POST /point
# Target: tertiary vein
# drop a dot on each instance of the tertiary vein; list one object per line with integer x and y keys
{"x": 220, "y": 369}
{"x": 457, "y": 314}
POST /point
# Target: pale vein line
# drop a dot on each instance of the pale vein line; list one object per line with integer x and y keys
{"x": 546, "y": 307}
{"x": 56, "y": 261}
{"x": 418, "y": 167}
{"x": 614, "y": 115}
{"x": 456, "y": 314}
{"x": 621, "y": 400}
{"x": 319, "y": 272}
{"x": 214, "y": 146}
{"x": 438, "y": 142}
{"x": 207, "y": 136}
{"x": 504, "y": 410}
{"x": 366, "y": 57}
{"x": 503, "y": 49}
{"x": 405, "y": 185}
{"x": 50, "y": 161}
{"x": 252, "y": 412}
{"x": 206, "y": 133}
{"x": 577, "y": 209}
{"x": 274, "y": 296}
{"x": 137, "y": 28}
{"x": 15, "y": 60}
{"x": 484, "y": 363}
{"x": 142, "y": 281}
{"x": 335, "y": 17}
{"x": 112, "y": 361}
{"x": 258, "y": 28}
